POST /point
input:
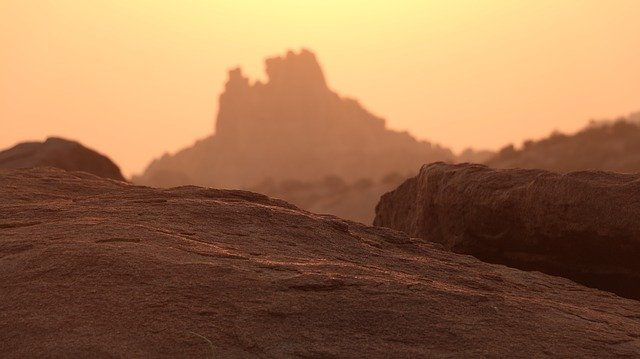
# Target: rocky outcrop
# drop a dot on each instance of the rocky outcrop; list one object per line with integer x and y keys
{"x": 606, "y": 146}
{"x": 97, "y": 268}
{"x": 291, "y": 128}
{"x": 581, "y": 225}
{"x": 59, "y": 153}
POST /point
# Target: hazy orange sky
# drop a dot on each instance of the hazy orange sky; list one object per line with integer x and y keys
{"x": 136, "y": 78}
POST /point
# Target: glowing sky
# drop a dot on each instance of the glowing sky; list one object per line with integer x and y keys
{"x": 136, "y": 78}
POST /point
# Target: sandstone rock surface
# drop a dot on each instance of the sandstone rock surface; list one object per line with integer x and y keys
{"x": 580, "y": 225}
{"x": 91, "y": 267}
{"x": 59, "y": 153}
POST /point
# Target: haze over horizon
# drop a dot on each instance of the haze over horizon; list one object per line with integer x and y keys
{"x": 135, "y": 80}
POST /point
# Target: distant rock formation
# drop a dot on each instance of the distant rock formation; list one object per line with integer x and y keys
{"x": 355, "y": 201}
{"x": 606, "y": 146}
{"x": 581, "y": 225}
{"x": 59, "y": 153}
{"x": 293, "y": 127}
{"x": 92, "y": 268}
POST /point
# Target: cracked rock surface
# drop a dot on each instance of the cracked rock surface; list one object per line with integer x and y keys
{"x": 92, "y": 267}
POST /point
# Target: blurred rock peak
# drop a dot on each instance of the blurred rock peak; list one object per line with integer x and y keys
{"x": 299, "y": 71}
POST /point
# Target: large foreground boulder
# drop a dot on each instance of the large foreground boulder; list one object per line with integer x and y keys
{"x": 97, "y": 268}
{"x": 580, "y": 225}
{"x": 59, "y": 153}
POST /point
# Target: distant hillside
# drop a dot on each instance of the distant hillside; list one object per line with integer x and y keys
{"x": 608, "y": 146}
{"x": 355, "y": 201}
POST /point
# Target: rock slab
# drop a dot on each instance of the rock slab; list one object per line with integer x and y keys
{"x": 580, "y": 225}
{"x": 91, "y": 267}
